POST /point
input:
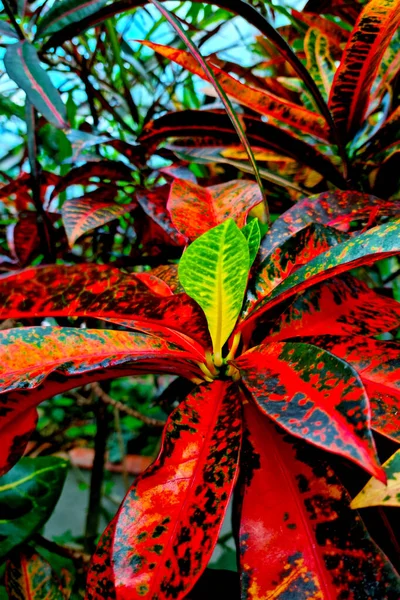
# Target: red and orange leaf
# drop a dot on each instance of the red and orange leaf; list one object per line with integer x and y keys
{"x": 169, "y": 274}
{"x": 29, "y": 354}
{"x": 298, "y": 536}
{"x": 313, "y": 395}
{"x": 195, "y": 209}
{"x": 167, "y": 526}
{"x": 277, "y": 109}
{"x": 81, "y": 215}
{"x": 30, "y": 576}
{"x": 97, "y": 291}
{"x": 373, "y": 245}
{"x": 15, "y": 437}
{"x": 336, "y": 34}
{"x": 154, "y": 204}
{"x": 356, "y": 73}
{"x": 343, "y": 306}
{"x": 347, "y": 10}
{"x": 155, "y": 284}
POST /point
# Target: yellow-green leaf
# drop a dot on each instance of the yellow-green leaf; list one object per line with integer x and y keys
{"x": 376, "y": 493}
{"x": 213, "y": 271}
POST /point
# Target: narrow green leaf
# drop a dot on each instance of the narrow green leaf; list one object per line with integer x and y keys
{"x": 221, "y": 93}
{"x": 28, "y": 495}
{"x": 65, "y": 13}
{"x": 252, "y": 233}
{"x": 23, "y": 66}
{"x": 213, "y": 270}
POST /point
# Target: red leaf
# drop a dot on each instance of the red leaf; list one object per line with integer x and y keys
{"x": 277, "y": 109}
{"x": 356, "y": 73}
{"x": 154, "y": 204}
{"x": 15, "y": 437}
{"x": 298, "y": 536}
{"x": 111, "y": 170}
{"x": 206, "y": 128}
{"x": 313, "y": 395}
{"x": 169, "y": 274}
{"x": 39, "y": 362}
{"x": 165, "y": 530}
{"x": 195, "y": 209}
{"x": 367, "y": 248}
{"x": 342, "y": 306}
{"x": 23, "y": 238}
{"x": 299, "y": 249}
{"x": 97, "y": 291}
{"x": 335, "y": 209}
{"x": 378, "y": 365}
{"x": 81, "y": 215}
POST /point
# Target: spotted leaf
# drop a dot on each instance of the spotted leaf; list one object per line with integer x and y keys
{"x": 376, "y": 493}
{"x": 335, "y": 209}
{"x": 252, "y": 233}
{"x": 361, "y": 58}
{"x": 96, "y": 291}
{"x": 314, "y": 395}
{"x": 39, "y": 362}
{"x": 375, "y": 244}
{"x": 298, "y": 536}
{"x": 81, "y": 215}
{"x": 277, "y": 109}
{"x": 213, "y": 270}
{"x": 195, "y": 209}
{"x": 165, "y": 530}
{"x": 343, "y": 306}
{"x": 28, "y": 495}
{"x": 29, "y": 575}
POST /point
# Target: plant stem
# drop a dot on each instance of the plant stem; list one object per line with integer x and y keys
{"x": 97, "y": 477}
{"x": 72, "y": 553}
{"x": 10, "y": 15}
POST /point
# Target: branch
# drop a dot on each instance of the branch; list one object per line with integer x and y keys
{"x": 104, "y": 397}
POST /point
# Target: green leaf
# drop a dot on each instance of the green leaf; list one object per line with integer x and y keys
{"x": 252, "y": 233}
{"x": 376, "y": 493}
{"x": 66, "y": 13}
{"x": 10, "y": 109}
{"x": 213, "y": 270}
{"x": 23, "y": 66}
{"x": 28, "y": 495}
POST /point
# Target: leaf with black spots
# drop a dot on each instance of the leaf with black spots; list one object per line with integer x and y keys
{"x": 373, "y": 245}
{"x": 313, "y": 395}
{"x": 361, "y": 58}
{"x": 96, "y": 291}
{"x": 163, "y": 535}
{"x": 298, "y": 536}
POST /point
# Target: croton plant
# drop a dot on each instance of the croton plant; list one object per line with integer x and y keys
{"x": 283, "y": 346}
